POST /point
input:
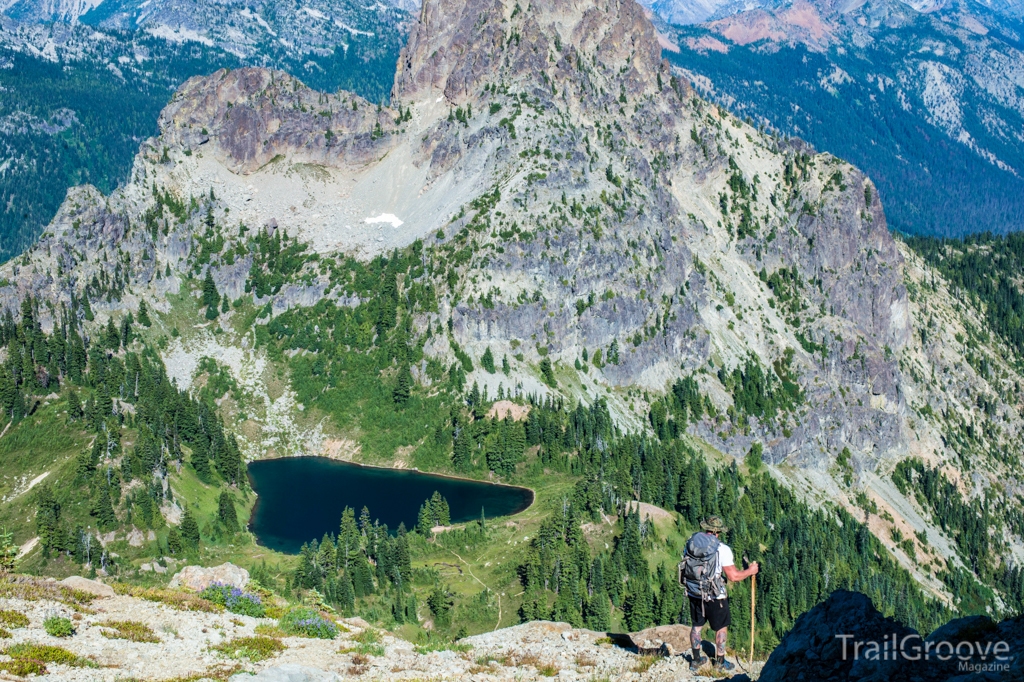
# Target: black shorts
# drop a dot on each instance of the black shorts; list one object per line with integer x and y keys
{"x": 715, "y": 613}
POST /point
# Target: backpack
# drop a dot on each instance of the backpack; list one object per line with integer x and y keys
{"x": 699, "y": 569}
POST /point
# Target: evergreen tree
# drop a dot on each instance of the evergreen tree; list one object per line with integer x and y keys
{"x": 201, "y": 463}
{"x": 403, "y": 386}
{"x": 103, "y": 508}
{"x": 441, "y": 602}
{"x": 638, "y": 607}
{"x": 547, "y": 372}
{"x": 487, "y": 361}
{"x": 144, "y": 315}
{"x": 74, "y": 406}
{"x": 226, "y": 511}
{"x": 211, "y": 297}
{"x": 174, "y": 542}
{"x": 189, "y": 529}
{"x": 598, "y": 612}
{"x": 424, "y": 522}
{"x": 461, "y": 444}
{"x": 346, "y": 595}
{"x": 112, "y": 335}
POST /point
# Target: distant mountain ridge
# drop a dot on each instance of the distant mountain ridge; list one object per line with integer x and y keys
{"x": 67, "y": 64}
{"x": 927, "y": 102}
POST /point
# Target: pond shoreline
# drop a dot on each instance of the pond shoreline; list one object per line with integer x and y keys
{"x": 533, "y": 493}
{"x": 310, "y": 486}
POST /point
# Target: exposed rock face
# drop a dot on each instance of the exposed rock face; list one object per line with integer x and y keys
{"x": 77, "y": 582}
{"x": 198, "y": 578}
{"x": 460, "y": 47}
{"x": 250, "y": 116}
{"x": 846, "y": 638}
{"x": 813, "y": 650}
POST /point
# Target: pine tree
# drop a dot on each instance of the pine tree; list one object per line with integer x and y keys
{"x": 189, "y": 529}
{"x": 201, "y": 463}
{"x": 74, "y": 406}
{"x": 598, "y": 612}
{"x": 423, "y": 521}
{"x": 174, "y": 542}
{"x": 462, "y": 444}
{"x": 548, "y": 373}
{"x": 103, "y": 508}
{"x": 226, "y": 511}
{"x": 112, "y": 336}
{"x": 403, "y": 386}
{"x": 441, "y": 602}
{"x": 211, "y": 297}
{"x": 144, "y": 315}
{"x": 346, "y": 595}
{"x": 505, "y": 367}
{"x": 487, "y": 360}
{"x": 638, "y": 607}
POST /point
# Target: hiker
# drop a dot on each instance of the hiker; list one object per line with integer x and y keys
{"x": 706, "y": 559}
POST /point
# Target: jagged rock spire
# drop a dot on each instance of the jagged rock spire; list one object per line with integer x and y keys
{"x": 458, "y": 47}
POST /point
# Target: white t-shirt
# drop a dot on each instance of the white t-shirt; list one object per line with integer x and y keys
{"x": 725, "y": 558}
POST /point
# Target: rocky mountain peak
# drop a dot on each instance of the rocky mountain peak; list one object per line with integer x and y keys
{"x": 458, "y": 48}
{"x": 248, "y": 117}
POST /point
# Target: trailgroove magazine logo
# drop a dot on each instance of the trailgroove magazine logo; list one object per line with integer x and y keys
{"x": 971, "y": 656}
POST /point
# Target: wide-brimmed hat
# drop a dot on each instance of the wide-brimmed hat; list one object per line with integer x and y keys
{"x": 714, "y": 524}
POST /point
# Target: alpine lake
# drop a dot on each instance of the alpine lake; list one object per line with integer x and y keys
{"x": 301, "y": 498}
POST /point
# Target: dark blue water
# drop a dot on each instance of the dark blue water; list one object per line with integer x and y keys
{"x": 301, "y": 498}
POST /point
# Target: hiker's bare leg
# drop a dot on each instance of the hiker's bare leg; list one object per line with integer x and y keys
{"x": 695, "y": 638}
{"x": 720, "y": 642}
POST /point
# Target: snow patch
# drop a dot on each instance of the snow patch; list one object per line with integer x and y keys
{"x": 353, "y": 31}
{"x": 384, "y": 218}
{"x": 315, "y": 13}
{"x": 178, "y": 35}
{"x": 248, "y": 14}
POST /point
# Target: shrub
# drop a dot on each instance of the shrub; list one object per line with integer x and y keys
{"x": 36, "y": 656}
{"x": 234, "y": 600}
{"x": 22, "y": 667}
{"x": 369, "y": 643}
{"x": 303, "y": 621}
{"x": 182, "y": 601}
{"x": 131, "y": 630}
{"x": 270, "y": 631}
{"x": 13, "y": 619}
{"x": 256, "y": 648}
{"x": 58, "y": 626}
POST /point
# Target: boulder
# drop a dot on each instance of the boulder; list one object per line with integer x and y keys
{"x": 666, "y": 640}
{"x": 974, "y": 648}
{"x": 198, "y": 578}
{"x": 77, "y": 582}
{"x": 289, "y": 672}
{"x": 814, "y": 648}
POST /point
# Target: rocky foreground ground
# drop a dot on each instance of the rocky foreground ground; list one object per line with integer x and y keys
{"x": 187, "y": 641}
{"x": 124, "y": 633}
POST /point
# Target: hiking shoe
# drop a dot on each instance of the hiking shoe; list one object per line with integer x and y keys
{"x": 723, "y": 665}
{"x": 697, "y": 662}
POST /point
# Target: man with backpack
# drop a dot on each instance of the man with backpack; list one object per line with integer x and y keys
{"x": 704, "y": 563}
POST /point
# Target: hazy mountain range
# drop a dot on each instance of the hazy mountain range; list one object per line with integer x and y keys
{"x": 925, "y": 97}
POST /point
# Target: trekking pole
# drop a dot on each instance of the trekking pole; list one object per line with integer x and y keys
{"x": 753, "y": 602}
